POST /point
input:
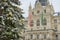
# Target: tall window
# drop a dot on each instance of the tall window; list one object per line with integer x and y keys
{"x": 55, "y": 27}
{"x": 38, "y": 22}
{"x": 37, "y": 36}
{"x": 0, "y": 12}
{"x": 44, "y": 21}
{"x": 33, "y": 13}
{"x": 38, "y": 11}
{"x": 0, "y": 20}
{"x": 55, "y": 20}
{"x": 31, "y": 36}
{"x": 44, "y": 11}
{"x": 44, "y": 36}
{"x": 23, "y": 38}
{"x": 56, "y": 37}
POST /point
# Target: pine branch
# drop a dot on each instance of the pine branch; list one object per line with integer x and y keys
{"x": 13, "y": 4}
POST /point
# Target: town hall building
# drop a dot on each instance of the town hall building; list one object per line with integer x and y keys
{"x": 42, "y": 23}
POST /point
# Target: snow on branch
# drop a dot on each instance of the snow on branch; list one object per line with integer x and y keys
{"x": 13, "y": 4}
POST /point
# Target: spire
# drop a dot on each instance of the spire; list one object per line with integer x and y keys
{"x": 30, "y": 18}
{"x": 30, "y": 7}
{"x": 30, "y": 15}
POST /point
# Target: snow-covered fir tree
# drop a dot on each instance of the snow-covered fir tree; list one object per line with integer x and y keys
{"x": 11, "y": 20}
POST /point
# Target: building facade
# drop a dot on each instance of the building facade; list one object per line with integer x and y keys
{"x": 42, "y": 24}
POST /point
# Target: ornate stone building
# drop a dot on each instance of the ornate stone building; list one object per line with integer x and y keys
{"x": 42, "y": 24}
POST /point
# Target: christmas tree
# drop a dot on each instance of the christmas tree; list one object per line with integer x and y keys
{"x": 11, "y": 20}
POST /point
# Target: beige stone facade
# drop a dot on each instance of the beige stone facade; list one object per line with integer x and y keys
{"x": 44, "y": 25}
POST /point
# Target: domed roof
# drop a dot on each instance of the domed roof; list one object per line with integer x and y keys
{"x": 43, "y": 2}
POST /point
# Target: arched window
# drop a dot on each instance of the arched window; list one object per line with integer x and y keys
{"x": 44, "y": 21}
{"x": 38, "y": 22}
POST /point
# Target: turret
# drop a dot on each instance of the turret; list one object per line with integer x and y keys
{"x": 30, "y": 7}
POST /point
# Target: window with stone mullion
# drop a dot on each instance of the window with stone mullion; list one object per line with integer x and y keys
{"x": 31, "y": 36}
{"x": 38, "y": 23}
{"x": 37, "y": 36}
{"x": 44, "y": 36}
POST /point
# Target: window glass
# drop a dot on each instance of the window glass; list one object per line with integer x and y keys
{"x": 44, "y": 21}
{"x": 55, "y": 20}
{"x": 37, "y": 36}
{"x": 31, "y": 36}
{"x": 55, "y": 27}
{"x": 56, "y": 37}
{"x": 44, "y": 11}
{"x": 44, "y": 36}
{"x": 0, "y": 12}
{"x": 33, "y": 13}
{"x": 23, "y": 38}
{"x": 38, "y": 22}
{"x": 0, "y": 20}
{"x": 38, "y": 11}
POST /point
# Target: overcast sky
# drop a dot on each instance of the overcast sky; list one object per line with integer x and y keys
{"x": 26, "y": 3}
